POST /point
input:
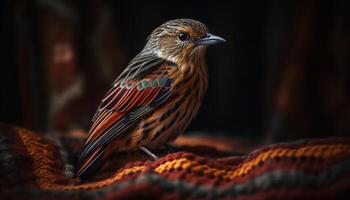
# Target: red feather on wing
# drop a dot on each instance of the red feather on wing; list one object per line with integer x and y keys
{"x": 119, "y": 104}
{"x": 131, "y": 97}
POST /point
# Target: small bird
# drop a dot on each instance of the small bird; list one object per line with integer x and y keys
{"x": 157, "y": 95}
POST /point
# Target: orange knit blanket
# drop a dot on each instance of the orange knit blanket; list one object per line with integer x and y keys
{"x": 37, "y": 167}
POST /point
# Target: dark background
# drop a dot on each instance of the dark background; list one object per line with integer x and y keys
{"x": 284, "y": 73}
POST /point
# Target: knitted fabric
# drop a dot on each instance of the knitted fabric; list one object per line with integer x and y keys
{"x": 36, "y": 167}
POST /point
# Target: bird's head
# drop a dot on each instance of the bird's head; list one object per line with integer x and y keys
{"x": 181, "y": 39}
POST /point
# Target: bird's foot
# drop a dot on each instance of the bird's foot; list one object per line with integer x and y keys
{"x": 169, "y": 148}
{"x": 148, "y": 152}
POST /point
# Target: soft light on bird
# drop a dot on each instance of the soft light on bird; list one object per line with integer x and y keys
{"x": 157, "y": 95}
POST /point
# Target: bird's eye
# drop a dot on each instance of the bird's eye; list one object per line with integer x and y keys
{"x": 183, "y": 36}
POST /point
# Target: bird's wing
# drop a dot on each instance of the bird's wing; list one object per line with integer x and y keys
{"x": 143, "y": 86}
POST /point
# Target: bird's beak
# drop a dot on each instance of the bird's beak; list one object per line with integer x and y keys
{"x": 210, "y": 39}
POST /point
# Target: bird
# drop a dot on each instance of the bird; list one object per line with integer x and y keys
{"x": 155, "y": 97}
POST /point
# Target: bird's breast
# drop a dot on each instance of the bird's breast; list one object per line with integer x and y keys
{"x": 171, "y": 119}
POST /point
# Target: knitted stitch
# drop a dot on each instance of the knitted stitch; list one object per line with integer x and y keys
{"x": 307, "y": 169}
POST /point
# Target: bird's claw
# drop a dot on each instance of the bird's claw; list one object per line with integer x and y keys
{"x": 169, "y": 148}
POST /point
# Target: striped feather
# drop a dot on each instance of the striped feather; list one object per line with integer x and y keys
{"x": 131, "y": 98}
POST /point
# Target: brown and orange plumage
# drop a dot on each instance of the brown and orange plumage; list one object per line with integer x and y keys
{"x": 156, "y": 96}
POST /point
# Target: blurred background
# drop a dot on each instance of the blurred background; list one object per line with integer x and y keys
{"x": 284, "y": 73}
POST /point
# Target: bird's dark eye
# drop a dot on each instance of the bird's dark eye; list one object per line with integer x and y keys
{"x": 183, "y": 36}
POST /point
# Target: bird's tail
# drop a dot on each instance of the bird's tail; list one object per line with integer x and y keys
{"x": 89, "y": 164}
